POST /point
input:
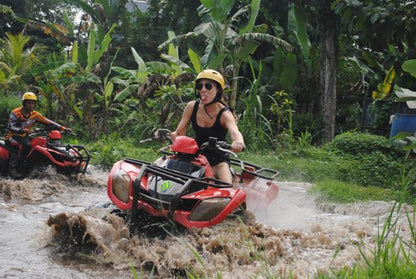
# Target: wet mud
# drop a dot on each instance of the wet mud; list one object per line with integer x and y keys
{"x": 53, "y": 226}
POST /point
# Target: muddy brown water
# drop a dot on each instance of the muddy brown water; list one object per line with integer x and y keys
{"x": 52, "y": 226}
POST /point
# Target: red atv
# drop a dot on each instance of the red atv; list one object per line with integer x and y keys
{"x": 47, "y": 149}
{"x": 181, "y": 185}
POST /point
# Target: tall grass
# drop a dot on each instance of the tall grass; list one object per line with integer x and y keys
{"x": 7, "y": 104}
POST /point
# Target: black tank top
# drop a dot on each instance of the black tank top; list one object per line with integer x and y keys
{"x": 202, "y": 134}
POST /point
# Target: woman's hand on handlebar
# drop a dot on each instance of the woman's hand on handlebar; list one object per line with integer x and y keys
{"x": 237, "y": 146}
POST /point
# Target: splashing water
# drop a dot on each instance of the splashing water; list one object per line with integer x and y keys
{"x": 47, "y": 232}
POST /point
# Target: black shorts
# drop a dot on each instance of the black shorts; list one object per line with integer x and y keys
{"x": 214, "y": 158}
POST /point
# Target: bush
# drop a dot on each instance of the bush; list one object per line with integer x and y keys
{"x": 110, "y": 149}
{"x": 6, "y": 106}
{"x": 361, "y": 144}
{"x": 364, "y": 168}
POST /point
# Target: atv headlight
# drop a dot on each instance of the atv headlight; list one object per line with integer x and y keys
{"x": 121, "y": 183}
{"x": 208, "y": 209}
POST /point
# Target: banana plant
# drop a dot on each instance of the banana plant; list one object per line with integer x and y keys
{"x": 16, "y": 59}
{"x": 383, "y": 89}
{"x": 224, "y": 45}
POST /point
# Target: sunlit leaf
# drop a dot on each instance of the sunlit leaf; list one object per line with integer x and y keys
{"x": 410, "y": 67}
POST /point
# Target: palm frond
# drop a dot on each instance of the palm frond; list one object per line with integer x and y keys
{"x": 6, "y": 10}
{"x": 268, "y": 39}
{"x": 176, "y": 40}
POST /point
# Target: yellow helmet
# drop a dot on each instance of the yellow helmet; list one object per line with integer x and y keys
{"x": 212, "y": 75}
{"x": 29, "y": 96}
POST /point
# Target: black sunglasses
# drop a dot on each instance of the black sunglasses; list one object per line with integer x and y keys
{"x": 207, "y": 85}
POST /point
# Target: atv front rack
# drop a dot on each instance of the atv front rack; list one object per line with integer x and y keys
{"x": 178, "y": 176}
{"x": 255, "y": 170}
{"x": 84, "y": 156}
{"x": 189, "y": 182}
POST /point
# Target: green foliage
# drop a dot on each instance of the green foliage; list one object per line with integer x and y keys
{"x": 367, "y": 167}
{"x": 256, "y": 128}
{"x": 7, "y": 104}
{"x": 330, "y": 190}
{"x": 360, "y": 144}
{"x": 16, "y": 60}
{"x": 108, "y": 150}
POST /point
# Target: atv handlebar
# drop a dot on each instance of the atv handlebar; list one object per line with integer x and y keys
{"x": 213, "y": 144}
{"x": 43, "y": 132}
{"x": 160, "y": 134}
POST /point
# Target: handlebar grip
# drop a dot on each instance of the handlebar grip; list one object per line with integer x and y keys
{"x": 224, "y": 145}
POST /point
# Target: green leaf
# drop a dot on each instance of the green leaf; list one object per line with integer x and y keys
{"x": 301, "y": 33}
{"x": 246, "y": 50}
{"x": 91, "y": 48}
{"x": 289, "y": 73}
{"x": 108, "y": 91}
{"x": 255, "y": 4}
{"x": 75, "y": 52}
{"x": 195, "y": 60}
{"x": 409, "y": 66}
{"x": 79, "y": 112}
{"x": 175, "y": 61}
{"x": 173, "y": 52}
{"x": 139, "y": 60}
{"x": 219, "y": 9}
{"x": 2, "y": 77}
{"x": 69, "y": 24}
{"x": 105, "y": 43}
{"x": 216, "y": 61}
{"x": 126, "y": 92}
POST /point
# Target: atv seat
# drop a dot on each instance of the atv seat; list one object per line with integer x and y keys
{"x": 184, "y": 167}
{"x": 54, "y": 143}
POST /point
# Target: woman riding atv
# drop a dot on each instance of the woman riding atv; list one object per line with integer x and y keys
{"x": 19, "y": 127}
{"x": 210, "y": 117}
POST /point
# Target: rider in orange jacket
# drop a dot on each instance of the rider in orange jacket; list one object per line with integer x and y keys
{"x": 20, "y": 125}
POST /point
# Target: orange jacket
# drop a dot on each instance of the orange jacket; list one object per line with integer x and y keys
{"x": 18, "y": 122}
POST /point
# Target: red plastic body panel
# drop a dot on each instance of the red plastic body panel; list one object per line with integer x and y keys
{"x": 47, "y": 152}
{"x": 184, "y": 144}
{"x": 132, "y": 171}
{"x": 182, "y": 217}
{"x": 38, "y": 141}
{"x": 4, "y": 153}
{"x": 54, "y": 135}
{"x": 259, "y": 191}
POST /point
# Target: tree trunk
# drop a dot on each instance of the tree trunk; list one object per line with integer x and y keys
{"x": 328, "y": 79}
